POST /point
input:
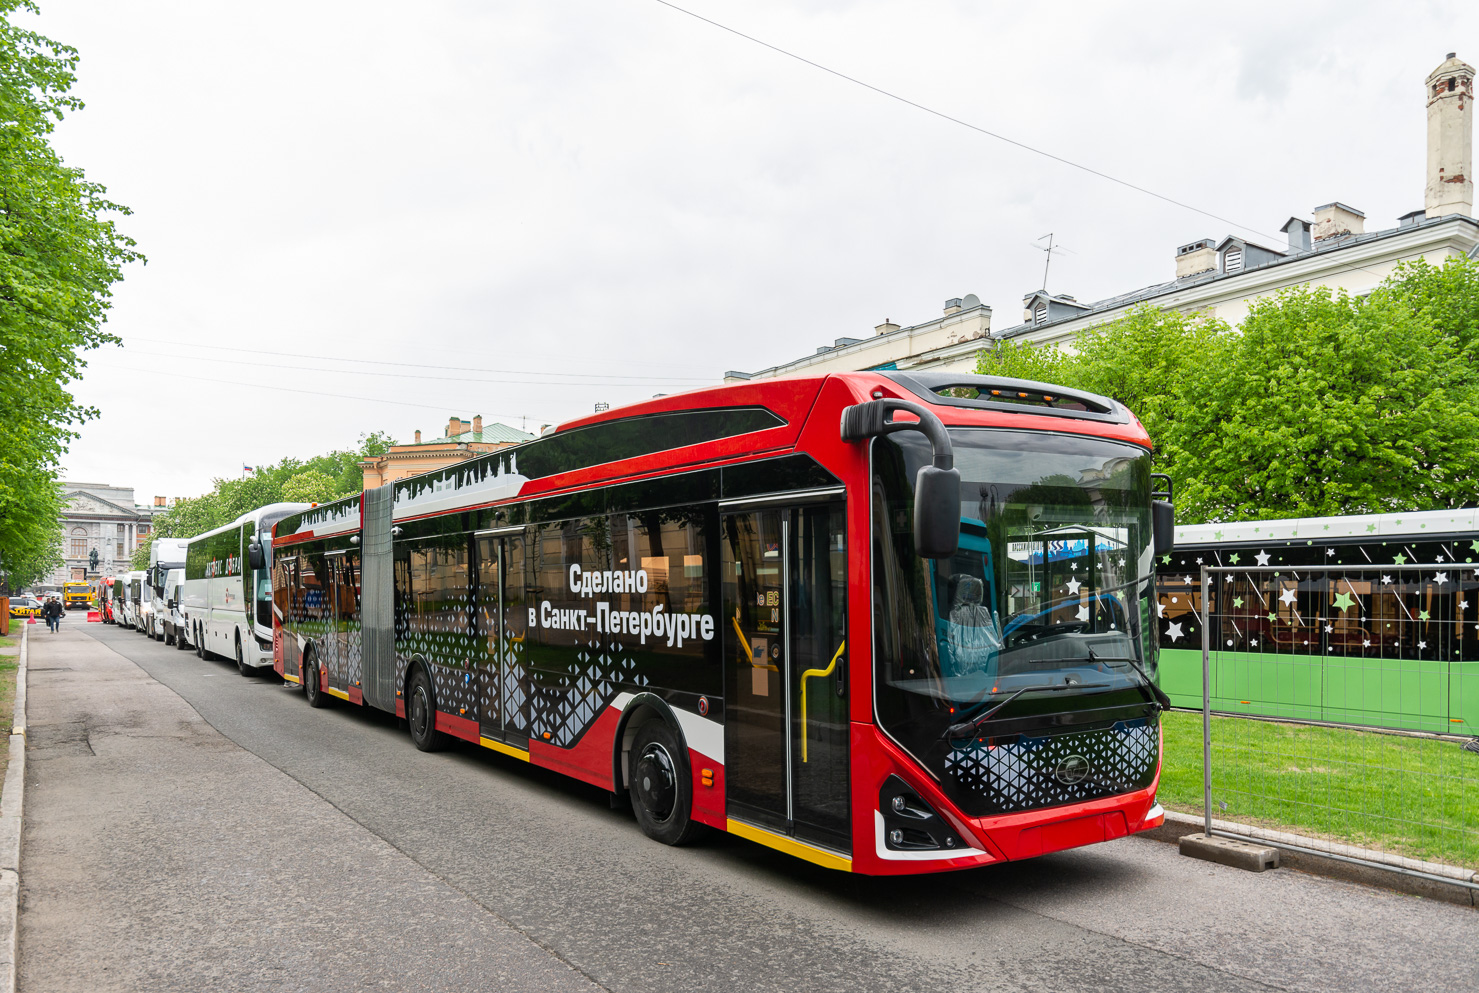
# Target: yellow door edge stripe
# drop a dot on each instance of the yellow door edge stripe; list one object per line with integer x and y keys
{"x": 291, "y": 679}
{"x": 498, "y": 746}
{"x": 338, "y": 693}
{"x": 790, "y": 846}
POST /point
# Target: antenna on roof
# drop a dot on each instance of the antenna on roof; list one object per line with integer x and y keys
{"x": 1049, "y": 249}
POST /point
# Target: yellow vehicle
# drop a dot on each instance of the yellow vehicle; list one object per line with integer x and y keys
{"x": 24, "y": 606}
{"x": 76, "y": 594}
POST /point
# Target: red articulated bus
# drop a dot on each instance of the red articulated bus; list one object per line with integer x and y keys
{"x": 887, "y": 623}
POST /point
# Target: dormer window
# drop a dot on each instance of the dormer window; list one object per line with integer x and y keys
{"x": 1040, "y": 315}
{"x": 1232, "y": 260}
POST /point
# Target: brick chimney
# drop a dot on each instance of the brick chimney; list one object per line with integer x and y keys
{"x": 1335, "y": 220}
{"x": 159, "y": 501}
{"x": 418, "y": 437}
{"x": 1196, "y": 257}
{"x": 477, "y": 424}
{"x": 1450, "y": 186}
{"x": 454, "y": 427}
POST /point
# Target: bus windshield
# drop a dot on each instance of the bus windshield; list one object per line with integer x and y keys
{"x": 1049, "y": 590}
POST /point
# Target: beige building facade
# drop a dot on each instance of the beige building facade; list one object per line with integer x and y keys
{"x": 464, "y": 440}
{"x": 1219, "y": 278}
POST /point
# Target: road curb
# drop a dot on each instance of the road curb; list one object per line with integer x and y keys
{"x": 12, "y": 802}
{"x": 1439, "y": 882}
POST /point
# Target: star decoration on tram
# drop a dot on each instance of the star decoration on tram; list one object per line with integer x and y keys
{"x": 1237, "y": 601}
{"x": 1422, "y": 615}
{"x": 1189, "y": 581}
{"x": 1288, "y": 596}
{"x": 1441, "y": 578}
{"x": 1366, "y": 643}
{"x": 1344, "y": 601}
{"x": 1160, "y": 610}
{"x": 1173, "y": 631}
{"x": 1234, "y": 558}
{"x": 1262, "y": 558}
{"x": 1400, "y": 559}
{"x": 1073, "y": 585}
{"x": 1083, "y": 613}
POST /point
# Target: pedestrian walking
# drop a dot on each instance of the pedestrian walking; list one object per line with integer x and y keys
{"x": 53, "y": 614}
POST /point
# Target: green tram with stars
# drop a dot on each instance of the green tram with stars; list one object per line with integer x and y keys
{"x": 1336, "y": 638}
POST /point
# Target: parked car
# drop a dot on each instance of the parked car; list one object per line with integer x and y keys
{"x": 24, "y": 606}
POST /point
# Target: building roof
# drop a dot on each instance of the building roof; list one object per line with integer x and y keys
{"x": 493, "y": 433}
{"x": 1147, "y": 293}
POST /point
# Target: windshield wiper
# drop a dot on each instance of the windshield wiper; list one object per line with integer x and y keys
{"x": 967, "y": 728}
{"x": 1158, "y": 696}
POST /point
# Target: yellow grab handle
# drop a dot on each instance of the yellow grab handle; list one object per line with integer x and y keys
{"x": 745, "y": 644}
{"x": 808, "y": 674}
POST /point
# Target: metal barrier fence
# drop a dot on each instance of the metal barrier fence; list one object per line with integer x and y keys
{"x": 1388, "y": 640}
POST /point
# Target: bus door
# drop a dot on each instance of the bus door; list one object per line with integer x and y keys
{"x": 784, "y": 576}
{"x": 330, "y": 643}
{"x": 344, "y": 620}
{"x": 501, "y": 624}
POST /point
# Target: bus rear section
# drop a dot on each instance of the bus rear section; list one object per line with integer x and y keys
{"x": 905, "y": 639}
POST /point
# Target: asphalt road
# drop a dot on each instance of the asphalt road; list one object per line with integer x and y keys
{"x": 236, "y": 839}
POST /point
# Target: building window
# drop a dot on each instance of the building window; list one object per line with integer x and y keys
{"x": 1040, "y": 315}
{"x": 1232, "y": 260}
{"x": 79, "y": 548}
{"x": 143, "y": 530}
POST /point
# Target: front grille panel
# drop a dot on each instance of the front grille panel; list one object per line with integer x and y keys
{"x": 1004, "y": 776}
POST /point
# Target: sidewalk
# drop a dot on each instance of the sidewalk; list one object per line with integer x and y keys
{"x": 159, "y": 855}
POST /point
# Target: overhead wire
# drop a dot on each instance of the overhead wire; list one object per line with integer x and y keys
{"x": 410, "y": 365}
{"x": 412, "y": 375}
{"x": 337, "y": 396}
{"x": 1062, "y": 160}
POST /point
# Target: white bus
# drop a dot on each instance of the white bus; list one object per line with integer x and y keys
{"x": 130, "y": 614}
{"x": 227, "y": 593}
{"x": 164, "y": 554}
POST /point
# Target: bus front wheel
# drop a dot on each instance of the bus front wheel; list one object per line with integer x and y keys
{"x": 241, "y": 666}
{"x": 660, "y": 785}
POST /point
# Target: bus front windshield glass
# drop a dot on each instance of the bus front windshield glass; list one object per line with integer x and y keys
{"x": 1047, "y": 599}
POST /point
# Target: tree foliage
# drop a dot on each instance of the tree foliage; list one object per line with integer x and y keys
{"x": 60, "y": 254}
{"x": 1318, "y": 403}
{"x": 316, "y": 480}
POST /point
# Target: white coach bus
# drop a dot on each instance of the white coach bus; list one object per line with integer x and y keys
{"x": 164, "y": 554}
{"x": 227, "y": 593}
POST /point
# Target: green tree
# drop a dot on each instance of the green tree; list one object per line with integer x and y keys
{"x": 1447, "y": 296}
{"x": 140, "y": 559}
{"x": 1327, "y": 404}
{"x": 309, "y": 486}
{"x": 60, "y": 254}
{"x": 316, "y": 480}
{"x": 1318, "y": 404}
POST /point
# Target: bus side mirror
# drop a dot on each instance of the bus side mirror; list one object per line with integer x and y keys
{"x": 936, "y": 487}
{"x": 1163, "y": 525}
{"x": 254, "y": 555}
{"x": 936, "y": 512}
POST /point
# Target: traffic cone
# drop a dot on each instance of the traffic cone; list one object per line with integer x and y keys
{"x": 31, "y": 620}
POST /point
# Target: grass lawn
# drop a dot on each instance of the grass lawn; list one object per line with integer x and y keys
{"x": 8, "y": 665}
{"x": 1417, "y": 797}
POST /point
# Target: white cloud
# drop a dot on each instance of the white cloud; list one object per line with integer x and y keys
{"x": 612, "y": 187}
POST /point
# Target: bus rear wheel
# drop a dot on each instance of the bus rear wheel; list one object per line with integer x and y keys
{"x": 661, "y": 787}
{"x": 313, "y": 687}
{"x": 421, "y": 714}
{"x": 199, "y": 642}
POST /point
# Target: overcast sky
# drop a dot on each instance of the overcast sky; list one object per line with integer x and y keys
{"x": 523, "y": 208}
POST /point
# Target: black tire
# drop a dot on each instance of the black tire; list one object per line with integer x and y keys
{"x": 241, "y": 666}
{"x": 169, "y": 636}
{"x": 180, "y": 645}
{"x": 421, "y": 713}
{"x": 200, "y": 652}
{"x": 313, "y": 687}
{"x": 661, "y": 786}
